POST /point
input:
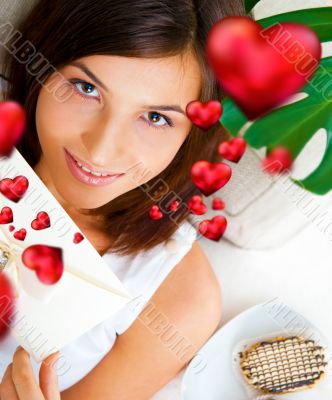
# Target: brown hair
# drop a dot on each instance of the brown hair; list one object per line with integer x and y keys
{"x": 65, "y": 30}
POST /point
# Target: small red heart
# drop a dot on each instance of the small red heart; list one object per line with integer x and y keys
{"x": 6, "y": 215}
{"x": 42, "y": 221}
{"x": 218, "y": 204}
{"x": 233, "y": 149}
{"x": 213, "y": 228}
{"x": 21, "y": 234}
{"x": 78, "y": 237}
{"x": 7, "y": 305}
{"x": 155, "y": 213}
{"x": 46, "y": 261}
{"x": 11, "y": 228}
{"x": 204, "y": 115}
{"x": 174, "y": 206}
{"x": 209, "y": 177}
{"x": 14, "y": 189}
{"x": 278, "y": 161}
{"x": 260, "y": 68}
{"x": 197, "y": 205}
{"x": 12, "y": 125}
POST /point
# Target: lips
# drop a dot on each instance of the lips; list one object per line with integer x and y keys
{"x": 86, "y": 177}
{"x": 90, "y": 167}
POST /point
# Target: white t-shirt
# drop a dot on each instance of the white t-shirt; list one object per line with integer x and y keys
{"x": 141, "y": 275}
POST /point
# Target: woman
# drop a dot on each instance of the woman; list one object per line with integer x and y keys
{"x": 131, "y": 67}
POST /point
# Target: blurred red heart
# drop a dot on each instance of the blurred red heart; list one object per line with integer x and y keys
{"x": 46, "y": 261}
{"x": 11, "y": 228}
{"x": 213, "y": 228}
{"x": 197, "y": 205}
{"x": 42, "y": 221}
{"x": 209, "y": 177}
{"x": 174, "y": 205}
{"x": 155, "y": 213}
{"x": 218, "y": 204}
{"x": 278, "y": 161}
{"x": 6, "y": 215}
{"x": 21, "y": 234}
{"x": 204, "y": 115}
{"x": 7, "y": 304}
{"x": 78, "y": 237}
{"x": 260, "y": 68}
{"x": 233, "y": 149}
{"x": 12, "y": 125}
{"x": 14, "y": 189}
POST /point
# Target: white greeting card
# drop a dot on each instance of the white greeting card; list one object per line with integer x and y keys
{"x": 48, "y": 316}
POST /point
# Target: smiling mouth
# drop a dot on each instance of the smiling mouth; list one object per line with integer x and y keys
{"x": 87, "y": 168}
{"x": 86, "y": 176}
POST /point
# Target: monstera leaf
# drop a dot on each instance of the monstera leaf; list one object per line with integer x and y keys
{"x": 293, "y": 125}
{"x": 250, "y": 4}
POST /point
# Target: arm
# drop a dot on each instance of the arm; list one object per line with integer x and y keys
{"x": 143, "y": 359}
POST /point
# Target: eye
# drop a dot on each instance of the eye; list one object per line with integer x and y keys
{"x": 85, "y": 89}
{"x": 157, "y": 120}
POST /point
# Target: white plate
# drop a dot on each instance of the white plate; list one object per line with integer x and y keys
{"x": 211, "y": 374}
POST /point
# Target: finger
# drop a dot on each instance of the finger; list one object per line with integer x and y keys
{"x": 7, "y": 387}
{"x": 48, "y": 378}
{"x": 23, "y": 377}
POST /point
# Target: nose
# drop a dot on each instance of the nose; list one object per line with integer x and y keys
{"x": 108, "y": 144}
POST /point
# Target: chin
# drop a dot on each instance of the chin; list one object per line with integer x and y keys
{"x": 73, "y": 196}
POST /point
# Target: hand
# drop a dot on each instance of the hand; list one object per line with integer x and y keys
{"x": 18, "y": 382}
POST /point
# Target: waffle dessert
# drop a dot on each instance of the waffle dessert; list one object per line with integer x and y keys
{"x": 283, "y": 365}
{"x": 267, "y": 398}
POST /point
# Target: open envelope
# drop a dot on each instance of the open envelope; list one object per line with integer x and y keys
{"x": 48, "y": 317}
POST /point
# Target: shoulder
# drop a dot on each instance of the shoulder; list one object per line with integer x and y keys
{"x": 194, "y": 275}
{"x": 191, "y": 293}
{"x": 183, "y": 312}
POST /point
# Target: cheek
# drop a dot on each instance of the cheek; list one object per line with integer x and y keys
{"x": 56, "y": 121}
{"x": 159, "y": 160}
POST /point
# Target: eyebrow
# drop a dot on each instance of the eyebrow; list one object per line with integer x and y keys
{"x": 166, "y": 108}
{"x": 90, "y": 74}
{"x": 93, "y": 77}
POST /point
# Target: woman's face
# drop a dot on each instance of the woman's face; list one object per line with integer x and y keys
{"x": 116, "y": 125}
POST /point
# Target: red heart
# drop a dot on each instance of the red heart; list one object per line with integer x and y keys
{"x": 12, "y": 125}
{"x": 7, "y": 304}
{"x": 233, "y": 149}
{"x": 209, "y": 177}
{"x": 6, "y": 215}
{"x": 46, "y": 261}
{"x": 260, "y": 68}
{"x": 155, "y": 213}
{"x": 78, "y": 237}
{"x": 14, "y": 189}
{"x": 278, "y": 161}
{"x": 218, "y": 204}
{"x": 11, "y": 228}
{"x": 174, "y": 205}
{"x": 213, "y": 228}
{"x": 42, "y": 221}
{"x": 197, "y": 205}
{"x": 21, "y": 234}
{"x": 204, "y": 115}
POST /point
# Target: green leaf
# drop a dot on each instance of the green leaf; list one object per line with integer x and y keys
{"x": 319, "y": 181}
{"x": 232, "y": 118}
{"x": 318, "y": 19}
{"x": 293, "y": 125}
{"x": 250, "y": 4}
